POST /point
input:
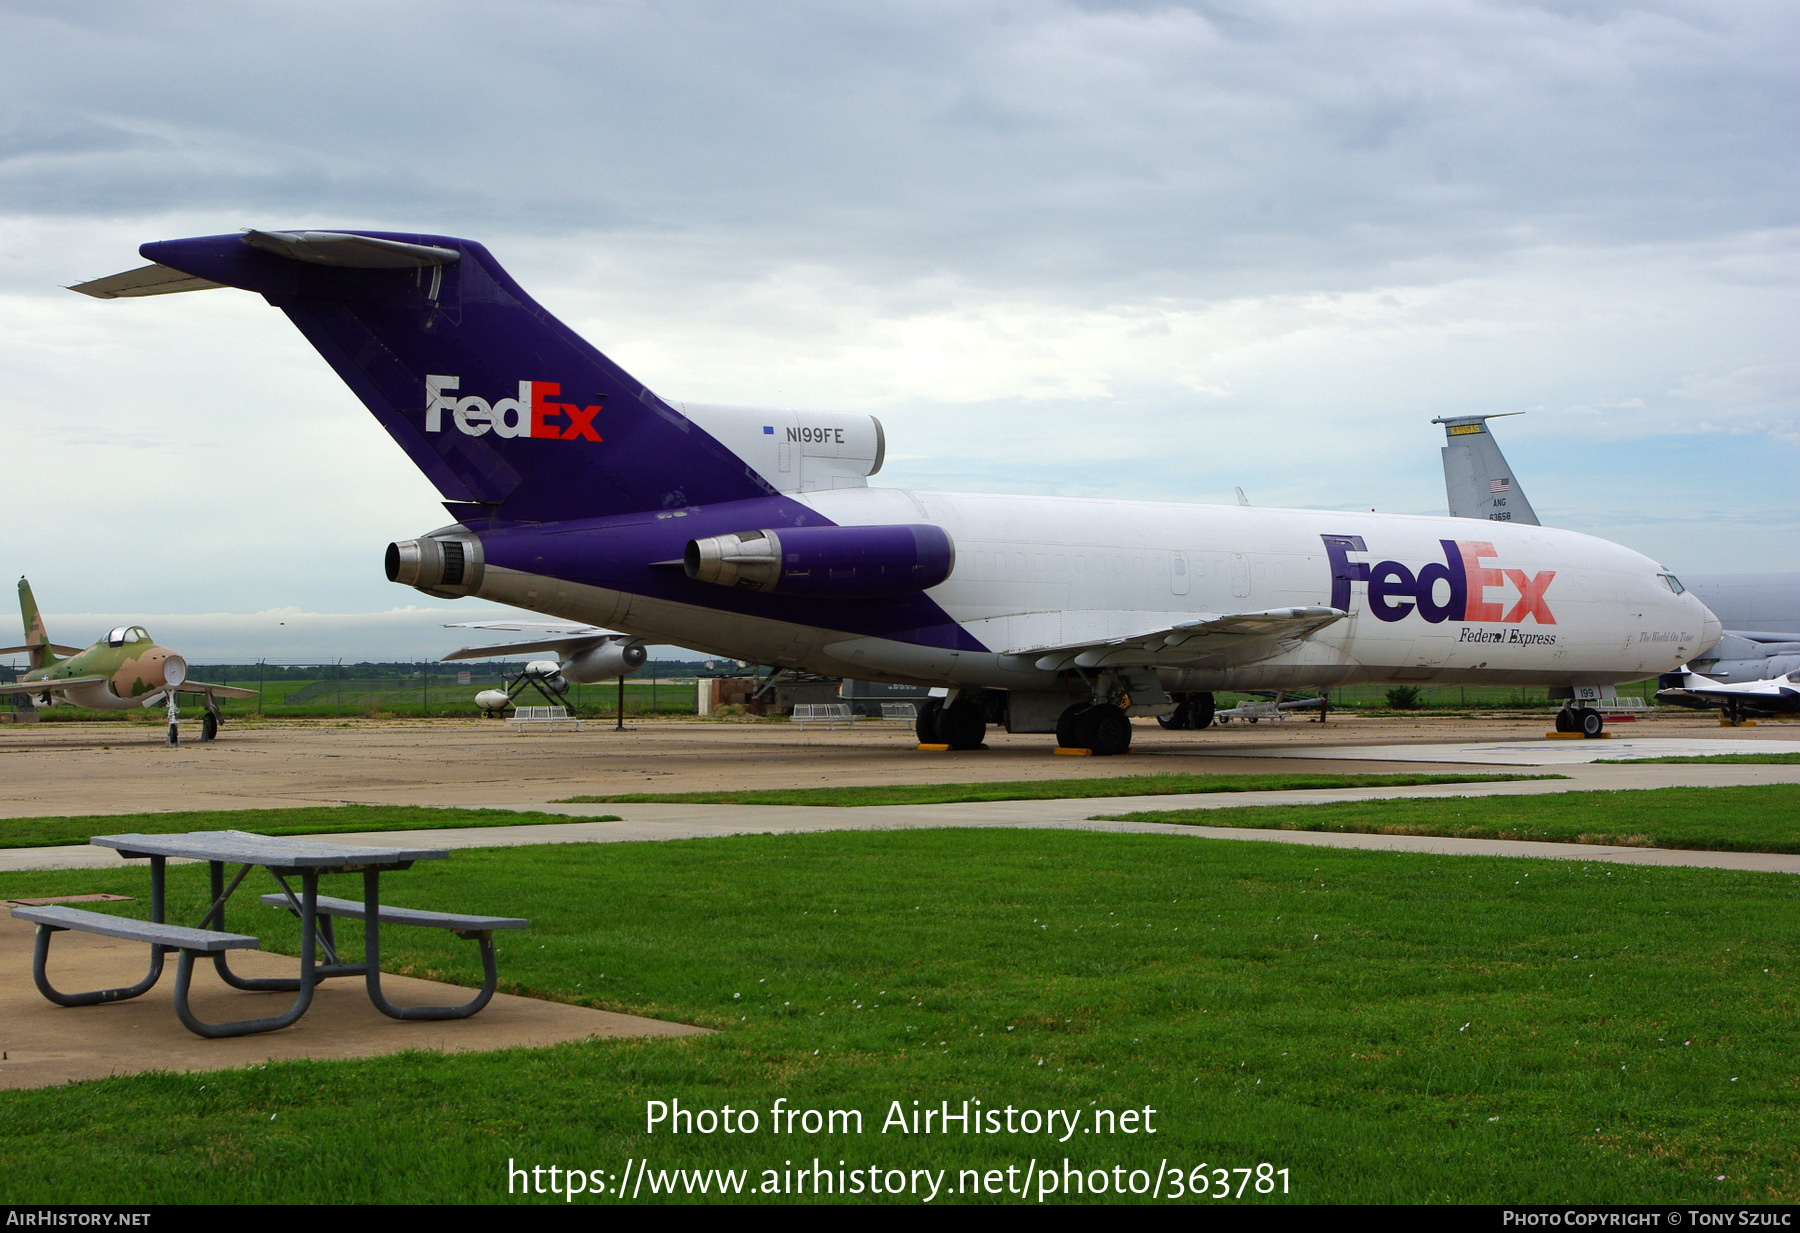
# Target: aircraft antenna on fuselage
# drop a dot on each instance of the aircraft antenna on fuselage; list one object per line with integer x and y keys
{"x": 1477, "y": 479}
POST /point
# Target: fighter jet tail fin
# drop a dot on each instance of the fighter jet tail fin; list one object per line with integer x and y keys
{"x": 1477, "y": 479}
{"x": 511, "y": 414}
{"x": 37, "y": 638}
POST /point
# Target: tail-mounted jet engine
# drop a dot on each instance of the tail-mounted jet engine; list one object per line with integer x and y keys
{"x": 833, "y": 562}
{"x": 446, "y": 565}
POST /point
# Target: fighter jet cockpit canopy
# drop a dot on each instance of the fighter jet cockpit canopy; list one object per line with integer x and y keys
{"x": 126, "y": 633}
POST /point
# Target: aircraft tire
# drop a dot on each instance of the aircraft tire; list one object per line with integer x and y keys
{"x": 1105, "y": 731}
{"x": 1068, "y": 726}
{"x": 1181, "y": 717}
{"x": 209, "y": 727}
{"x": 961, "y": 725}
{"x": 926, "y": 723}
{"x": 1200, "y": 711}
{"x": 1565, "y": 720}
{"x": 1592, "y": 723}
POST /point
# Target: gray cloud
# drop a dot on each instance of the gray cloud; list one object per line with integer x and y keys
{"x": 1205, "y": 149}
{"x": 1137, "y": 250}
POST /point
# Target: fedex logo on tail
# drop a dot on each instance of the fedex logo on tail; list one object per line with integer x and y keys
{"x": 1396, "y": 591}
{"x": 532, "y": 414}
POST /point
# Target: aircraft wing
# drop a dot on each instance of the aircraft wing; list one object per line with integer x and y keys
{"x": 223, "y": 691}
{"x": 1232, "y": 637}
{"x": 38, "y": 687}
{"x": 572, "y": 642}
{"x": 60, "y": 650}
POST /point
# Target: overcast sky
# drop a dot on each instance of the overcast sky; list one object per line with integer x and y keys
{"x": 1137, "y": 250}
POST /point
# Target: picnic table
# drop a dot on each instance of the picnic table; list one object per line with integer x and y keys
{"x": 303, "y": 860}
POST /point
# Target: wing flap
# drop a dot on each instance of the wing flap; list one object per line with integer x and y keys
{"x": 145, "y": 280}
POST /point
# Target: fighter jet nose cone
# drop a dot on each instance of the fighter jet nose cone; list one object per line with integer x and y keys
{"x": 174, "y": 670}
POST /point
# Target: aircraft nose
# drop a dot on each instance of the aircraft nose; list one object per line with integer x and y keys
{"x": 1710, "y": 629}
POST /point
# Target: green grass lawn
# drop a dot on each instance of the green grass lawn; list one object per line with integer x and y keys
{"x": 1752, "y": 759}
{"x": 1756, "y": 818}
{"x": 1387, "y": 1027}
{"x": 1033, "y": 790}
{"x": 317, "y": 820}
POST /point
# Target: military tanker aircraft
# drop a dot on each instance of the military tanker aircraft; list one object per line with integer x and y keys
{"x": 578, "y": 493}
{"x": 122, "y": 671}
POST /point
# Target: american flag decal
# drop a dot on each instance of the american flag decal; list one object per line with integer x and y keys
{"x": 1499, "y": 485}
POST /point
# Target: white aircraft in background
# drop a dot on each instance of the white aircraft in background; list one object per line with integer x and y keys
{"x": 755, "y": 535}
{"x": 1776, "y": 696}
{"x": 585, "y": 654}
{"x": 1759, "y": 613}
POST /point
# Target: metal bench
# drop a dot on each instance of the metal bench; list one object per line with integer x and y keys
{"x": 830, "y": 714}
{"x": 469, "y": 928}
{"x": 545, "y": 716}
{"x": 906, "y": 711}
{"x": 161, "y": 938}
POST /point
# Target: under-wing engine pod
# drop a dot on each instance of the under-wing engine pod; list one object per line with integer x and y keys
{"x": 547, "y": 673}
{"x": 837, "y": 562}
{"x": 605, "y": 661}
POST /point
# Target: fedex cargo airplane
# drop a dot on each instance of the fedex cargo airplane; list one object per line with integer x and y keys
{"x": 755, "y": 534}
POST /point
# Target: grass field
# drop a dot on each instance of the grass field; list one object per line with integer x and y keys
{"x": 1386, "y": 1027}
{"x": 319, "y": 820}
{"x": 1033, "y": 790}
{"x": 1757, "y": 818}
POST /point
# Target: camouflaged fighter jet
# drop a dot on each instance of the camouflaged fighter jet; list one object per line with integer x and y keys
{"x": 123, "y": 670}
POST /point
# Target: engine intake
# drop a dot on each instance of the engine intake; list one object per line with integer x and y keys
{"x": 841, "y": 562}
{"x": 446, "y": 565}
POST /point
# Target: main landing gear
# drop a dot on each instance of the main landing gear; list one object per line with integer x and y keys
{"x": 209, "y": 722}
{"x": 1580, "y": 719}
{"x": 1191, "y": 711}
{"x": 1098, "y": 727}
{"x": 961, "y": 725}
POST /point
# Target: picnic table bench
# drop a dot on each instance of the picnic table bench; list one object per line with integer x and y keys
{"x": 283, "y": 858}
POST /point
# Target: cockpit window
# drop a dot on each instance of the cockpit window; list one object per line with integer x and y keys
{"x": 118, "y": 637}
{"x": 139, "y": 634}
{"x": 1674, "y": 583}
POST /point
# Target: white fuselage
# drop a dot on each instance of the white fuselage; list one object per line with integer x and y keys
{"x": 1542, "y": 606}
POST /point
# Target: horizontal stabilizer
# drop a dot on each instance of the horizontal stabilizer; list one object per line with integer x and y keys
{"x": 147, "y": 280}
{"x": 357, "y": 252}
{"x": 25, "y": 650}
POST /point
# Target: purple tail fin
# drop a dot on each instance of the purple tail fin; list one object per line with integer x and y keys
{"x": 508, "y": 411}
